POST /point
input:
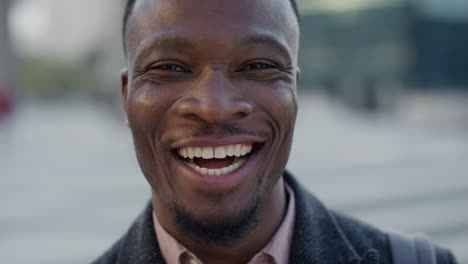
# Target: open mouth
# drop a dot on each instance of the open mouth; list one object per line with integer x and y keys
{"x": 217, "y": 160}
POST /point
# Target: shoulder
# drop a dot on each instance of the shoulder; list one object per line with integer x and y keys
{"x": 444, "y": 256}
{"x": 138, "y": 245}
{"x": 316, "y": 220}
{"x": 359, "y": 236}
{"x": 363, "y": 236}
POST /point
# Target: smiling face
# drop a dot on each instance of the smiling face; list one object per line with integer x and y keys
{"x": 210, "y": 96}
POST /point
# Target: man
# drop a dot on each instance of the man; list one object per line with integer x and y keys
{"x": 210, "y": 96}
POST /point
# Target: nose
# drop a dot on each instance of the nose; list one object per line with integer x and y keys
{"x": 214, "y": 99}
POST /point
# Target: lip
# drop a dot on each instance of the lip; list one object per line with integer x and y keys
{"x": 216, "y": 183}
{"x": 213, "y": 142}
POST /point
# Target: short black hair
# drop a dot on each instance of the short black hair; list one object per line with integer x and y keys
{"x": 131, "y": 3}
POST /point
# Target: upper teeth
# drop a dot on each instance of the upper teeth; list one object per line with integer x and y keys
{"x": 218, "y": 152}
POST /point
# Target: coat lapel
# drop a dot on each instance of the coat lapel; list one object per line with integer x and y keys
{"x": 140, "y": 245}
{"x": 317, "y": 238}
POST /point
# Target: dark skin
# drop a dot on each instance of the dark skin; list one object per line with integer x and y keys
{"x": 193, "y": 70}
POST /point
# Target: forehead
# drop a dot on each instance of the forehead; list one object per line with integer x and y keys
{"x": 216, "y": 19}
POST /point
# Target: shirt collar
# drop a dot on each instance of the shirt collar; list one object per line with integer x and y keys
{"x": 279, "y": 246}
{"x": 171, "y": 249}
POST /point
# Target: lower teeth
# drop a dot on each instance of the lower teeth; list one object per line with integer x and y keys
{"x": 217, "y": 172}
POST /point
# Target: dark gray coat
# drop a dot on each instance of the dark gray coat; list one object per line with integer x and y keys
{"x": 320, "y": 236}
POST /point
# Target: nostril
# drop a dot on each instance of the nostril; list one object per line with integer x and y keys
{"x": 190, "y": 116}
{"x": 240, "y": 115}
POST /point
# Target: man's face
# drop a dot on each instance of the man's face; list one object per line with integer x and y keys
{"x": 210, "y": 96}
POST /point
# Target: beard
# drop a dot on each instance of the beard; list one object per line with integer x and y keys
{"x": 216, "y": 231}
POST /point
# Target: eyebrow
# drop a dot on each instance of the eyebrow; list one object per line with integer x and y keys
{"x": 160, "y": 41}
{"x": 265, "y": 40}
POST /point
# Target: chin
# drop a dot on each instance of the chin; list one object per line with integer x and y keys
{"x": 221, "y": 206}
{"x": 217, "y": 225}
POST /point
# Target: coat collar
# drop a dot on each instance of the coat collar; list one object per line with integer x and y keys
{"x": 140, "y": 245}
{"x": 317, "y": 238}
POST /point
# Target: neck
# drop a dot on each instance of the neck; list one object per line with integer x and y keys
{"x": 243, "y": 250}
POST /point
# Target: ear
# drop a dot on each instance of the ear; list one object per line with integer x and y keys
{"x": 124, "y": 89}
{"x": 298, "y": 74}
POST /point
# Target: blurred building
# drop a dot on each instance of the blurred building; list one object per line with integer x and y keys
{"x": 440, "y": 43}
{"x": 393, "y": 43}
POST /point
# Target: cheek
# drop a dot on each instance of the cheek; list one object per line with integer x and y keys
{"x": 286, "y": 109}
{"x": 146, "y": 108}
{"x": 146, "y": 113}
{"x": 280, "y": 103}
{"x": 285, "y": 116}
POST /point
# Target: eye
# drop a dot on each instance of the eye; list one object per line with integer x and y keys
{"x": 170, "y": 68}
{"x": 257, "y": 66}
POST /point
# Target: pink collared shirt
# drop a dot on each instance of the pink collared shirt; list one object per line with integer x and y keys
{"x": 275, "y": 252}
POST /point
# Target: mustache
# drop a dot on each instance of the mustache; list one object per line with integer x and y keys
{"x": 222, "y": 130}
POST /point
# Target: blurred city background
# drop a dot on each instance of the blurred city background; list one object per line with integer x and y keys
{"x": 382, "y": 132}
